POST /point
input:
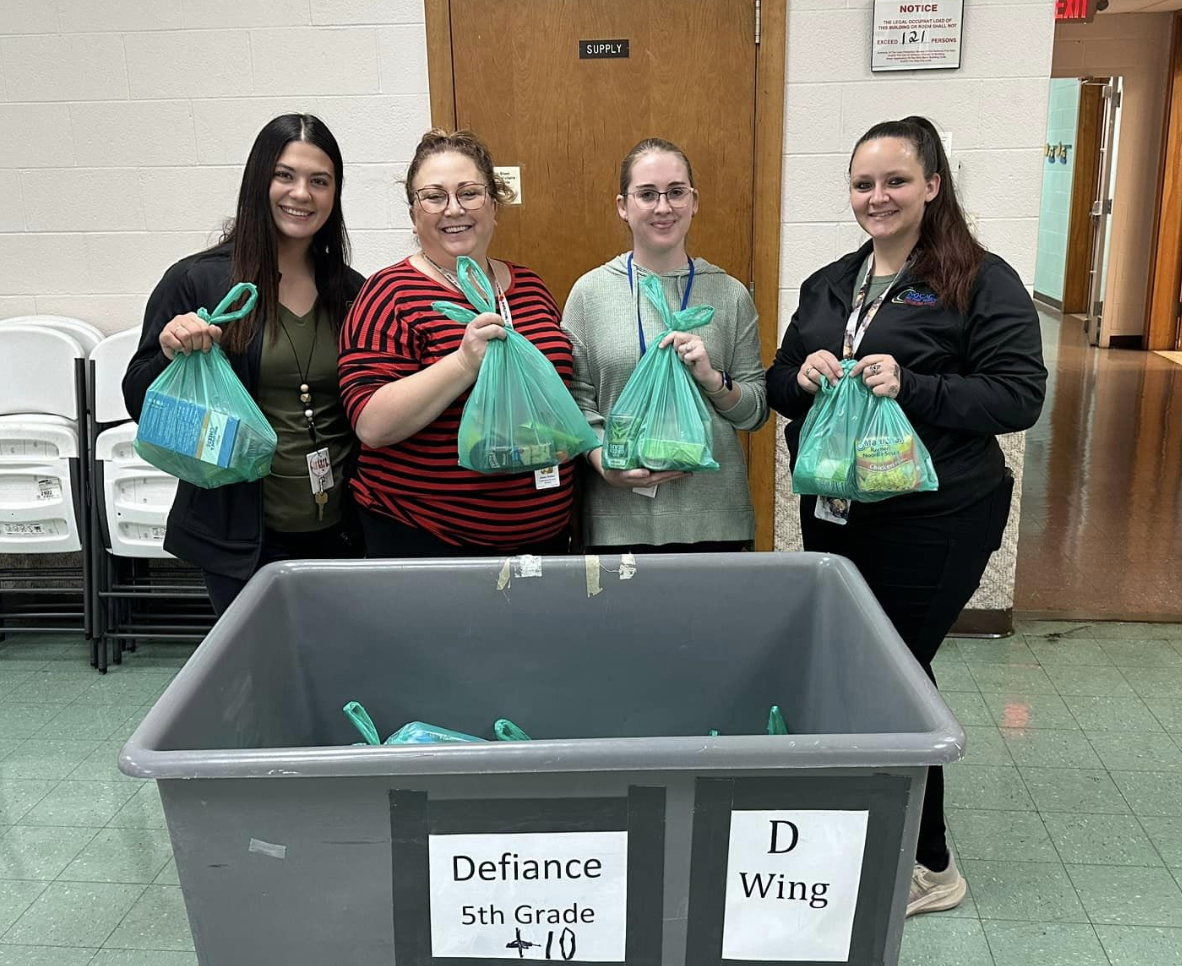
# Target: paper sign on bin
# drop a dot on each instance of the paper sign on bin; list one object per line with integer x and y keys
{"x": 792, "y": 885}
{"x": 559, "y": 896}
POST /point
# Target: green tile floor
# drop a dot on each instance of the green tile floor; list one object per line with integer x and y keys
{"x": 1066, "y": 815}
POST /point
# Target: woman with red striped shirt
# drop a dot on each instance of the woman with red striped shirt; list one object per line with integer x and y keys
{"x": 406, "y": 371}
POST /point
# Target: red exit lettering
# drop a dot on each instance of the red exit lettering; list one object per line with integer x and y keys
{"x": 1075, "y": 10}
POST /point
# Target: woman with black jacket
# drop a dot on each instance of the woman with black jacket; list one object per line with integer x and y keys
{"x": 288, "y": 238}
{"x": 949, "y": 331}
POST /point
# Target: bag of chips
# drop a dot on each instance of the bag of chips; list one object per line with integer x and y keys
{"x": 890, "y": 458}
{"x": 519, "y": 416}
{"x": 198, "y": 422}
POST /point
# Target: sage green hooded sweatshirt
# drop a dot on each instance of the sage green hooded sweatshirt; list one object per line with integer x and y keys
{"x": 601, "y": 319}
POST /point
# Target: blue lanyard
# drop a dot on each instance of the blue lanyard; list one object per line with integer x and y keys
{"x": 684, "y": 298}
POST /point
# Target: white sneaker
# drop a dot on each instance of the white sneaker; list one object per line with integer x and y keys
{"x": 935, "y": 891}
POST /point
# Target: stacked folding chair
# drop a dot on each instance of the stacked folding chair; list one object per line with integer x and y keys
{"x": 43, "y": 474}
{"x": 137, "y": 592}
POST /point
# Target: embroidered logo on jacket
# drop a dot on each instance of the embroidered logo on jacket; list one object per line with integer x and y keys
{"x": 910, "y": 296}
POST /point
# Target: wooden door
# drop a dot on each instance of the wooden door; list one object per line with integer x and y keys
{"x": 694, "y": 74}
{"x": 523, "y": 84}
{"x": 1084, "y": 179}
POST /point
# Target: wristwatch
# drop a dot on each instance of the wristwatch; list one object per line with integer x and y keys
{"x": 727, "y": 384}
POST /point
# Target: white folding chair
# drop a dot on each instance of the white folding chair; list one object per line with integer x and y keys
{"x": 129, "y": 514}
{"x": 43, "y": 468}
{"x": 85, "y": 334}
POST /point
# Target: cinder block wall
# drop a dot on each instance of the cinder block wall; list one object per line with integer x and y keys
{"x": 126, "y": 125}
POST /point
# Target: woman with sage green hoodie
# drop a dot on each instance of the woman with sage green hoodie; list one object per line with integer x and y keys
{"x": 610, "y": 325}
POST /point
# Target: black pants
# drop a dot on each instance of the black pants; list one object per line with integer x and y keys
{"x": 387, "y": 537}
{"x": 922, "y": 571}
{"x": 331, "y": 543}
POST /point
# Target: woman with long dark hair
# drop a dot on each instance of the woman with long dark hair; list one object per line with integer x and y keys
{"x": 949, "y": 331}
{"x": 288, "y": 237}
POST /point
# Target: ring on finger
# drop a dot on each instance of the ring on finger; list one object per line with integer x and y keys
{"x": 875, "y": 369}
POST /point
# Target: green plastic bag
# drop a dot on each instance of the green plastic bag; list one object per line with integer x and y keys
{"x": 825, "y": 461}
{"x": 660, "y": 421}
{"x": 519, "y": 416}
{"x": 890, "y": 458}
{"x": 198, "y": 422}
{"x": 421, "y": 733}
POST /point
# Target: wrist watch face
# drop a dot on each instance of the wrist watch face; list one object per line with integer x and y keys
{"x": 727, "y": 382}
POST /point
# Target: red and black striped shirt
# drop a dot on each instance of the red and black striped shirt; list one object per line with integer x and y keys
{"x": 393, "y": 332}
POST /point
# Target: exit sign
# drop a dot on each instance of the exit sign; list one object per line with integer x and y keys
{"x": 1075, "y": 11}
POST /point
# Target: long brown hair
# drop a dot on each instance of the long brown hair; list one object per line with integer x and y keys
{"x": 251, "y": 235}
{"x": 948, "y": 257}
{"x": 439, "y": 141}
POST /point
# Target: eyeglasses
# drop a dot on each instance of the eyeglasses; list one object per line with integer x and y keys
{"x": 678, "y": 196}
{"x": 470, "y": 197}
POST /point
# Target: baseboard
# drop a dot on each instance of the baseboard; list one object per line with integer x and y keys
{"x": 1125, "y": 342}
{"x": 984, "y": 623}
{"x": 1047, "y": 300}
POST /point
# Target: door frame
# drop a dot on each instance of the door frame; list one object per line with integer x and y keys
{"x": 1162, "y": 321}
{"x": 764, "y": 278}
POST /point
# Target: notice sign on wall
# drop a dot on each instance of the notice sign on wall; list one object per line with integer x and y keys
{"x": 558, "y": 896}
{"x": 792, "y": 885}
{"x": 916, "y": 35}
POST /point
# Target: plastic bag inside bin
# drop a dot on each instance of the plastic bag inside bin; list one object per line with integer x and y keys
{"x": 420, "y": 732}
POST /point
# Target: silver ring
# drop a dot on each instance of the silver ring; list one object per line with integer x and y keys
{"x": 875, "y": 369}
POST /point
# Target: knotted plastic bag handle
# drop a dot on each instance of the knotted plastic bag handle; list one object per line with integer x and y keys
{"x": 846, "y": 366}
{"x": 477, "y": 290}
{"x": 222, "y": 314}
{"x": 692, "y": 318}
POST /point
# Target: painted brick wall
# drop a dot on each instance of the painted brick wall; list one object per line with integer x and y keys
{"x": 994, "y": 106}
{"x": 126, "y": 125}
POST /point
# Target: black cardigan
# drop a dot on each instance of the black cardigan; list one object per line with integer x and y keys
{"x": 966, "y": 378}
{"x": 218, "y": 530}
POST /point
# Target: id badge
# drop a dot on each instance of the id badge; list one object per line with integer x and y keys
{"x": 832, "y": 510}
{"x": 649, "y": 491}
{"x": 546, "y": 479}
{"x": 320, "y": 470}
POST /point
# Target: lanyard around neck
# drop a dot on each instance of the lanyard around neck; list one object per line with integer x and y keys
{"x": 858, "y": 322}
{"x": 684, "y": 298}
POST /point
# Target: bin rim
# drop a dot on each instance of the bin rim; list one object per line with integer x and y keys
{"x": 141, "y": 757}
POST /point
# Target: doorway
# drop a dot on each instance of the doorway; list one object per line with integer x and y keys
{"x": 562, "y": 89}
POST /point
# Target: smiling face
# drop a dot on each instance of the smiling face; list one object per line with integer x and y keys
{"x": 455, "y": 231}
{"x": 302, "y": 191}
{"x": 658, "y": 230}
{"x": 888, "y": 190}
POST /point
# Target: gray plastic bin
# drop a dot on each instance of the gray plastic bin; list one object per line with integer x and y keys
{"x": 294, "y": 847}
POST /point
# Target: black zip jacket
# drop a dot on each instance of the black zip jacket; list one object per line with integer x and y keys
{"x": 219, "y": 530}
{"x": 965, "y": 378}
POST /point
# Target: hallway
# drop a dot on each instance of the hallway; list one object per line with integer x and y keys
{"x": 1101, "y": 527}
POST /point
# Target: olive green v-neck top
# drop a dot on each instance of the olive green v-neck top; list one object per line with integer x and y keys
{"x": 288, "y": 503}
